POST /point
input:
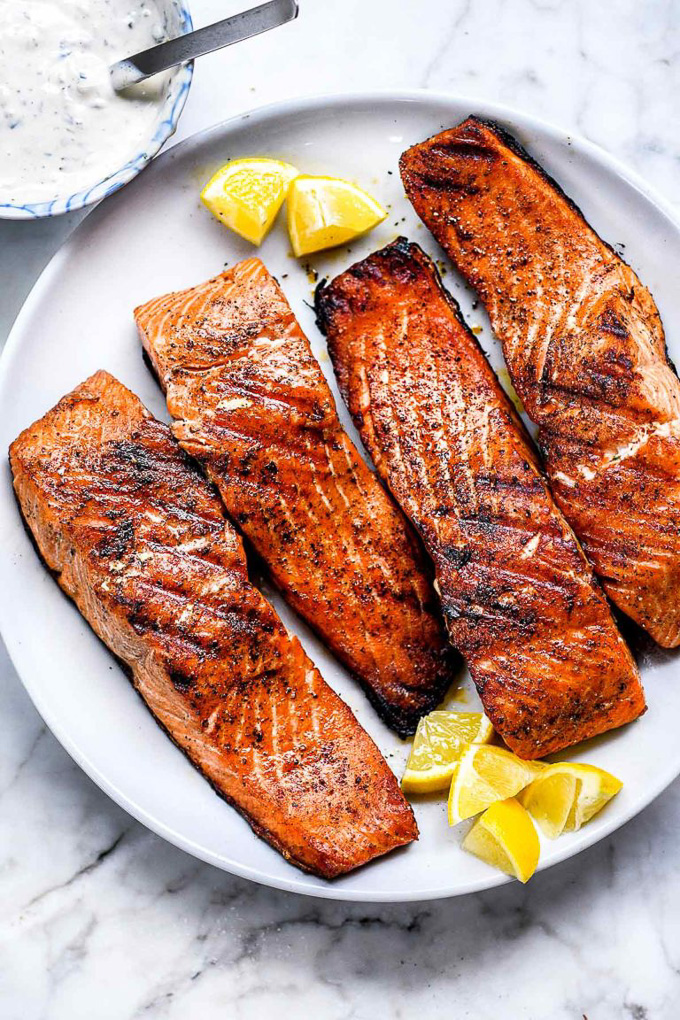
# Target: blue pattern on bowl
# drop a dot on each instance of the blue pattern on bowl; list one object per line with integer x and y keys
{"x": 166, "y": 126}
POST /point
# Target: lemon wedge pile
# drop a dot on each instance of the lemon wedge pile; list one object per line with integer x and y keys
{"x": 323, "y": 212}
{"x": 437, "y": 746}
{"x": 501, "y": 791}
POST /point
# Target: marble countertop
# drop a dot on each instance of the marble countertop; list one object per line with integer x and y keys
{"x": 102, "y": 920}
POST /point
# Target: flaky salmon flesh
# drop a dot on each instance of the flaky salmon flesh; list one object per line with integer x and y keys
{"x": 251, "y": 404}
{"x": 520, "y": 599}
{"x": 585, "y": 348}
{"x": 137, "y": 538}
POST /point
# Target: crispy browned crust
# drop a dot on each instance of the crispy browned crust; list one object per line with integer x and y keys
{"x": 520, "y": 600}
{"x": 137, "y": 538}
{"x": 586, "y": 352}
{"x": 253, "y": 407}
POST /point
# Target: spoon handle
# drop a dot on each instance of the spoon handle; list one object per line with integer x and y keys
{"x": 194, "y": 44}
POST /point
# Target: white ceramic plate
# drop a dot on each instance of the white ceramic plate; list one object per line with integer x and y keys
{"x": 154, "y": 237}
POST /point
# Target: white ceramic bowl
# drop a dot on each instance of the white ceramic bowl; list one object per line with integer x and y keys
{"x": 177, "y": 21}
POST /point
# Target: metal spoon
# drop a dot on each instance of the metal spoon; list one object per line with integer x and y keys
{"x": 194, "y": 44}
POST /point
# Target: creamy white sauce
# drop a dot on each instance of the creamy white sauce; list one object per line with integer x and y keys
{"x": 62, "y": 127}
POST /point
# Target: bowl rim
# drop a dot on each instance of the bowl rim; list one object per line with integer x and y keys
{"x": 165, "y": 126}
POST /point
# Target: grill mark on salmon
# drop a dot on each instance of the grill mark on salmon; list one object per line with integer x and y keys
{"x": 520, "y": 599}
{"x": 136, "y": 536}
{"x": 585, "y": 348}
{"x": 253, "y": 407}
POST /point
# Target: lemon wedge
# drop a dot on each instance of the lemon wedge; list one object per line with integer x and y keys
{"x": 505, "y": 837}
{"x": 246, "y": 195}
{"x": 484, "y": 775}
{"x": 326, "y": 211}
{"x": 566, "y": 796}
{"x": 437, "y": 746}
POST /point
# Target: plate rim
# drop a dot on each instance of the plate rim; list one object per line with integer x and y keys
{"x": 311, "y": 103}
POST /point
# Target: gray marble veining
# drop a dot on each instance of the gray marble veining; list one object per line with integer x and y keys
{"x": 102, "y": 920}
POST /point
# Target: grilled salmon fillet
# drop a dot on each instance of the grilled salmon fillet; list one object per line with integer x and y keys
{"x": 585, "y": 348}
{"x": 520, "y": 599}
{"x": 137, "y": 538}
{"x": 251, "y": 404}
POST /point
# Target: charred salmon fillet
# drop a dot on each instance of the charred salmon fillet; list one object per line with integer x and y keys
{"x": 137, "y": 538}
{"x": 519, "y": 597}
{"x": 251, "y": 404}
{"x": 585, "y": 348}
